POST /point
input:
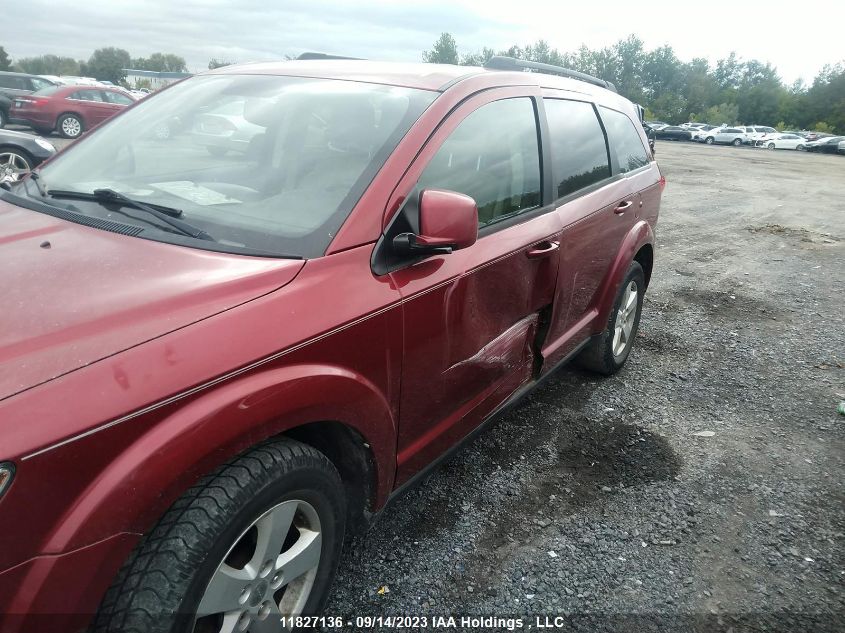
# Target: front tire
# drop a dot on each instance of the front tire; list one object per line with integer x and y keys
{"x": 257, "y": 539}
{"x": 771, "y": 145}
{"x": 3, "y": 119}
{"x": 737, "y": 142}
{"x": 709, "y": 140}
{"x": 607, "y": 353}
{"x": 70, "y": 126}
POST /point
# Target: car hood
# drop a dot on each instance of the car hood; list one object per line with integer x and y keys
{"x": 72, "y": 295}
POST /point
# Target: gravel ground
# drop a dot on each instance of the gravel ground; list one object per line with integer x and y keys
{"x": 701, "y": 489}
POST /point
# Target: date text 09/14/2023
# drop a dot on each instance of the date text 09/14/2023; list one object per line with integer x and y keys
{"x": 453, "y": 622}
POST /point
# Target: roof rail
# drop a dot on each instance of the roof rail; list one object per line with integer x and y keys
{"x": 310, "y": 55}
{"x": 500, "y": 62}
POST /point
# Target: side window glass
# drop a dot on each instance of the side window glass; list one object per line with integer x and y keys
{"x": 624, "y": 140}
{"x": 492, "y": 156}
{"x": 117, "y": 98}
{"x": 579, "y": 148}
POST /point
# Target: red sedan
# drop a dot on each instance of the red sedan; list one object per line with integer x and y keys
{"x": 68, "y": 109}
{"x": 212, "y": 367}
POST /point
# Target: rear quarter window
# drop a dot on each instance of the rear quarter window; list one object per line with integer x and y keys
{"x": 624, "y": 141}
{"x": 578, "y": 146}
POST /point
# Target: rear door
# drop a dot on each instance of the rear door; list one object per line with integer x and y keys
{"x": 471, "y": 318}
{"x": 90, "y": 103}
{"x": 598, "y": 159}
{"x": 115, "y": 102}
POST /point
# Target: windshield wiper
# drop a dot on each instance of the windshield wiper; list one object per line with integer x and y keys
{"x": 167, "y": 215}
{"x": 35, "y": 178}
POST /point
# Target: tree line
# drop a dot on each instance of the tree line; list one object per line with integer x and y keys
{"x": 732, "y": 91}
{"x": 104, "y": 64}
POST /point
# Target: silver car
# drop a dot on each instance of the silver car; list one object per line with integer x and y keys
{"x": 727, "y": 136}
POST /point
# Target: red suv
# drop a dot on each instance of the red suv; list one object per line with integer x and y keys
{"x": 68, "y": 109}
{"x": 213, "y": 366}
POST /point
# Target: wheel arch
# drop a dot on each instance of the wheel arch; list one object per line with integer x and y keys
{"x": 19, "y": 150}
{"x": 638, "y": 245}
{"x": 71, "y": 113}
{"x": 645, "y": 258}
{"x": 333, "y": 409}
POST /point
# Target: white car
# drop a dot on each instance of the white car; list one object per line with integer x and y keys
{"x": 700, "y": 133}
{"x": 757, "y": 132}
{"x": 781, "y": 141}
{"x": 727, "y": 136}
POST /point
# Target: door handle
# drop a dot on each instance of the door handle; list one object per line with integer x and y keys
{"x": 543, "y": 249}
{"x": 623, "y": 207}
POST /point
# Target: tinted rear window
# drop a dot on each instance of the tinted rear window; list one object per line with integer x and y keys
{"x": 624, "y": 140}
{"x": 578, "y": 145}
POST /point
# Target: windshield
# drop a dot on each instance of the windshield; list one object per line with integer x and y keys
{"x": 259, "y": 163}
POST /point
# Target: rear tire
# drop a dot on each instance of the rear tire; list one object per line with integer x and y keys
{"x": 709, "y": 140}
{"x": 771, "y": 145}
{"x": 269, "y": 523}
{"x": 800, "y": 148}
{"x": 737, "y": 142}
{"x": 606, "y": 354}
{"x": 70, "y": 126}
{"x": 3, "y": 119}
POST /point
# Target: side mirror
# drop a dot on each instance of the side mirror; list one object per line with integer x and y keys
{"x": 448, "y": 221}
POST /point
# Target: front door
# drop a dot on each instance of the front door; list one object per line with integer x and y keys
{"x": 471, "y": 317}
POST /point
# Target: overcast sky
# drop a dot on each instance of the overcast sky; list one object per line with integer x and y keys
{"x": 798, "y": 43}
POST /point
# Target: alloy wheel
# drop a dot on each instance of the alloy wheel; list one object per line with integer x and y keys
{"x": 266, "y": 575}
{"x": 626, "y": 316}
{"x": 71, "y": 126}
{"x": 12, "y": 166}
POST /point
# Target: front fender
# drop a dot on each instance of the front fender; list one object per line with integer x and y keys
{"x": 149, "y": 474}
{"x": 639, "y": 235}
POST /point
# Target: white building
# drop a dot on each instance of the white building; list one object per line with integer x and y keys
{"x": 155, "y": 80}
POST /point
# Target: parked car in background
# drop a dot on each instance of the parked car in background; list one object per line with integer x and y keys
{"x": 700, "y": 133}
{"x": 651, "y": 135}
{"x": 781, "y": 141}
{"x": 841, "y": 149}
{"x": 20, "y": 153}
{"x": 827, "y": 145}
{"x": 223, "y": 128}
{"x": 69, "y": 109}
{"x": 219, "y": 371}
{"x": 760, "y": 132}
{"x": 816, "y": 136}
{"x": 14, "y": 85}
{"x": 727, "y": 136}
{"x": 73, "y": 80}
{"x": 673, "y": 133}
